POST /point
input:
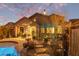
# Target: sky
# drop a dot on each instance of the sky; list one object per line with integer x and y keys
{"x": 12, "y": 12}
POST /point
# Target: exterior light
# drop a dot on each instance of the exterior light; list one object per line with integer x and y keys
{"x": 44, "y": 12}
{"x": 34, "y": 20}
{"x": 28, "y": 26}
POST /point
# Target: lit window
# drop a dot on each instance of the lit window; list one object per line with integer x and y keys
{"x": 59, "y": 30}
{"x": 42, "y": 30}
{"x": 49, "y": 30}
{"x": 53, "y": 30}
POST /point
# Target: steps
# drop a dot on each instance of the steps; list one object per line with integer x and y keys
{"x": 41, "y": 50}
{"x": 41, "y": 53}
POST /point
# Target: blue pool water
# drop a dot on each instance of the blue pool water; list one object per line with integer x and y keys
{"x": 8, "y": 51}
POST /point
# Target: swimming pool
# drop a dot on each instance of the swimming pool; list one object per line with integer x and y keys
{"x": 8, "y": 51}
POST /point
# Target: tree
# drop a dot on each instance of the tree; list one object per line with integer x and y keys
{"x": 4, "y": 32}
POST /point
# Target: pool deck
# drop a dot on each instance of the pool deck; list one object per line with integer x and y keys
{"x": 18, "y": 42}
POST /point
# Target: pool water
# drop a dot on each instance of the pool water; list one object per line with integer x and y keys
{"x": 8, "y": 51}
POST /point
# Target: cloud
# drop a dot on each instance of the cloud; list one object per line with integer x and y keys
{"x": 58, "y": 8}
{"x": 4, "y": 18}
{"x": 31, "y": 8}
{"x": 61, "y": 4}
{"x": 7, "y": 6}
{"x": 27, "y": 9}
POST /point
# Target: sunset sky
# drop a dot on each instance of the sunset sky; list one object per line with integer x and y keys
{"x": 13, "y": 12}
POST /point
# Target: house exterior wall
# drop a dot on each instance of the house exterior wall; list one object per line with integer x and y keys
{"x": 42, "y": 24}
{"x": 57, "y": 19}
{"x": 47, "y": 23}
{"x": 9, "y": 27}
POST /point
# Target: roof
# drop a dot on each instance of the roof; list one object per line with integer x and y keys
{"x": 74, "y": 20}
{"x": 40, "y": 18}
{"x": 57, "y": 15}
{"x": 45, "y": 15}
{"x": 22, "y": 20}
{"x": 34, "y": 15}
{"x": 9, "y": 24}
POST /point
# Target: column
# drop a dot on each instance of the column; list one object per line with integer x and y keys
{"x": 16, "y": 31}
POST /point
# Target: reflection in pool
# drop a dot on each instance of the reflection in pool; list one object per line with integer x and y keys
{"x": 8, "y": 51}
